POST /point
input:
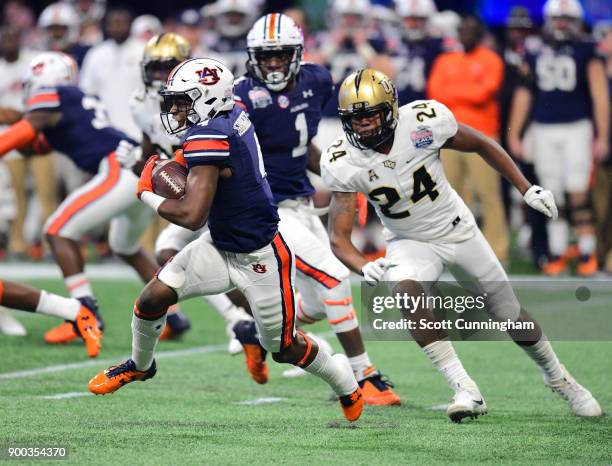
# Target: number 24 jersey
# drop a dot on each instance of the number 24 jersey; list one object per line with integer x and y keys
{"x": 407, "y": 187}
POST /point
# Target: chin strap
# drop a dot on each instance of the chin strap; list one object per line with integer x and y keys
{"x": 16, "y": 136}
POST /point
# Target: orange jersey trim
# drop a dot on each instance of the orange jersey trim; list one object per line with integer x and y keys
{"x": 206, "y": 144}
{"x": 48, "y": 97}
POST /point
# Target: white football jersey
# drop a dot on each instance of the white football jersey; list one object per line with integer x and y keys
{"x": 407, "y": 187}
{"x": 145, "y": 109}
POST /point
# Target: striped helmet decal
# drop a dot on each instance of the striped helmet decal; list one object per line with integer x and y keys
{"x": 272, "y": 26}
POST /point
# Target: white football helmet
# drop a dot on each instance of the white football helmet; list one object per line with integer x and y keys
{"x": 563, "y": 18}
{"x": 199, "y": 87}
{"x": 235, "y": 17}
{"x": 63, "y": 15}
{"x": 275, "y": 34}
{"x": 49, "y": 69}
{"x": 420, "y": 12}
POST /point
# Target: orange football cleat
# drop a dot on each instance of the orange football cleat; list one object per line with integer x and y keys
{"x": 115, "y": 377}
{"x": 88, "y": 327}
{"x": 352, "y": 405}
{"x": 555, "y": 267}
{"x": 63, "y": 333}
{"x": 588, "y": 267}
{"x": 256, "y": 362}
{"x": 378, "y": 391}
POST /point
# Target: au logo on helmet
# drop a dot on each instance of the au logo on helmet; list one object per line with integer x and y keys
{"x": 209, "y": 76}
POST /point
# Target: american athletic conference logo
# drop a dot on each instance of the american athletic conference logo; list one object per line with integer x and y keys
{"x": 209, "y": 76}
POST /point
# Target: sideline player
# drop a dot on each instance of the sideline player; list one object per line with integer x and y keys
{"x": 566, "y": 88}
{"x": 77, "y": 125}
{"x": 284, "y": 99}
{"x": 226, "y": 186}
{"x": 25, "y": 298}
{"x": 161, "y": 54}
{"x": 392, "y": 156}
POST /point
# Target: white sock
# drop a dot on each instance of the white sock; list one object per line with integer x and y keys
{"x": 78, "y": 285}
{"x": 145, "y": 334}
{"x": 222, "y": 304}
{"x": 442, "y": 355}
{"x": 334, "y": 370}
{"x": 545, "y": 358}
{"x": 362, "y": 366}
{"x": 558, "y": 235}
{"x": 586, "y": 244}
{"x": 55, "y": 305}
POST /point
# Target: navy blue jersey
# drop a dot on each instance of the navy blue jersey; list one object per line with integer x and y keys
{"x": 559, "y": 82}
{"x": 285, "y": 123}
{"x": 83, "y": 133}
{"x": 243, "y": 216}
{"x": 413, "y": 61}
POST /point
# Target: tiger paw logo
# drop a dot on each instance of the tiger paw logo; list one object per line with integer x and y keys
{"x": 208, "y": 76}
{"x": 259, "y": 268}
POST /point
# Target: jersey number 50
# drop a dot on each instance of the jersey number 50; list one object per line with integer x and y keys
{"x": 423, "y": 185}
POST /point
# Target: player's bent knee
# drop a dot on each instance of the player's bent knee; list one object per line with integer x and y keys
{"x": 154, "y": 300}
{"x": 164, "y": 256}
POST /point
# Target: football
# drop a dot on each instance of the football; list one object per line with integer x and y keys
{"x": 169, "y": 179}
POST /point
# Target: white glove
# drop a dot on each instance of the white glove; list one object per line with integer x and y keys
{"x": 541, "y": 200}
{"x": 128, "y": 154}
{"x": 374, "y": 271}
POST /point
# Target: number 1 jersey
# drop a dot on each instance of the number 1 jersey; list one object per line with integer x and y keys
{"x": 285, "y": 123}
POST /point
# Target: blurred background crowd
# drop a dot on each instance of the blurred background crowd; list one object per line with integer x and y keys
{"x": 420, "y": 44}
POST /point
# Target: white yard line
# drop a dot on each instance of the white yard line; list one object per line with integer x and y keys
{"x": 63, "y": 396}
{"x": 261, "y": 401}
{"x": 97, "y": 362}
{"x": 118, "y": 271}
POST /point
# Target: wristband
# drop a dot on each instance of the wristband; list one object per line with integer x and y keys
{"x": 152, "y": 200}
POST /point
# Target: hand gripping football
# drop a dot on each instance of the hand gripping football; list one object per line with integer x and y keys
{"x": 169, "y": 179}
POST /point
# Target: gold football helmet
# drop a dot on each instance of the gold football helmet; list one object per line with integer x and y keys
{"x": 161, "y": 54}
{"x": 364, "y": 94}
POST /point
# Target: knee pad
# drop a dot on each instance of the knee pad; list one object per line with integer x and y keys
{"x": 339, "y": 309}
{"x": 121, "y": 244}
{"x": 309, "y": 309}
{"x": 501, "y": 301}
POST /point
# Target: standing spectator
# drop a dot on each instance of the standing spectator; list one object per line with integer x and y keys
{"x": 13, "y": 65}
{"x": 567, "y": 88}
{"x": 417, "y": 51}
{"x": 111, "y": 70}
{"x": 146, "y": 26}
{"x": 468, "y": 82}
{"x": 518, "y": 38}
{"x": 603, "y": 180}
{"x": 233, "y": 19}
{"x": 59, "y": 25}
{"x": 350, "y": 44}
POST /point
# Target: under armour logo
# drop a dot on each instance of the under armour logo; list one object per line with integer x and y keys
{"x": 308, "y": 93}
{"x": 259, "y": 268}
